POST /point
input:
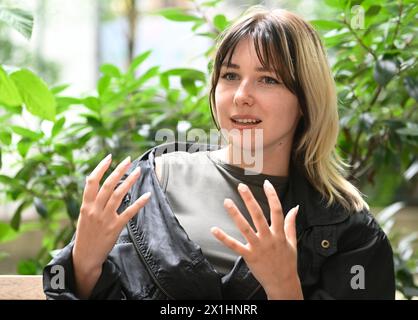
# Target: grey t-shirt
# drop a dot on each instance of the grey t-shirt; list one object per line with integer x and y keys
{"x": 196, "y": 185}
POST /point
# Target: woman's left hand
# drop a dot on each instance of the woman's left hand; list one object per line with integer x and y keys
{"x": 271, "y": 252}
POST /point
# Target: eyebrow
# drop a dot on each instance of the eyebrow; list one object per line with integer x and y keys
{"x": 235, "y": 66}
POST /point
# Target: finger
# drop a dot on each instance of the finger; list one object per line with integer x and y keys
{"x": 254, "y": 209}
{"x": 276, "y": 211}
{"x": 110, "y": 183}
{"x": 229, "y": 241}
{"x": 120, "y": 192}
{"x": 93, "y": 180}
{"x": 290, "y": 226}
{"x": 133, "y": 209}
{"x": 242, "y": 223}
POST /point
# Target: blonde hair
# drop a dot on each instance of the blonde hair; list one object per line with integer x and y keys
{"x": 290, "y": 45}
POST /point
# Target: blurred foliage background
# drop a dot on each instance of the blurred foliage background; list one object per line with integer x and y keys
{"x": 51, "y": 139}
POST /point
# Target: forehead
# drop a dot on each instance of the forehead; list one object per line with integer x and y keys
{"x": 245, "y": 55}
{"x": 243, "y": 52}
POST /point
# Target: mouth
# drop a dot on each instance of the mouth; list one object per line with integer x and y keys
{"x": 245, "y": 121}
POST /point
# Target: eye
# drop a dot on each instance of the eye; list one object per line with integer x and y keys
{"x": 229, "y": 76}
{"x": 270, "y": 80}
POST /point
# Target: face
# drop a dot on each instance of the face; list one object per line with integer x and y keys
{"x": 247, "y": 98}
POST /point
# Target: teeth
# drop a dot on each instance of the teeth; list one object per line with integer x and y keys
{"x": 247, "y": 120}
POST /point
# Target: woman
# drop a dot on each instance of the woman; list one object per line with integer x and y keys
{"x": 296, "y": 229}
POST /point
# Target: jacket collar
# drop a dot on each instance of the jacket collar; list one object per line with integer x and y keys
{"x": 313, "y": 210}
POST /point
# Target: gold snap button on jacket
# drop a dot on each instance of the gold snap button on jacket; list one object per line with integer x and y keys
{"x": 325, "y": 244}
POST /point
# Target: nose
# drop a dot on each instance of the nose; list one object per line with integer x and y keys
{"x": 243, "y": 95}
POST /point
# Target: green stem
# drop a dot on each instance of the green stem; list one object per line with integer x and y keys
{"x": 395, "y": 34}
{"x": 376, "y": 95}
{"x": 368, "y": 49}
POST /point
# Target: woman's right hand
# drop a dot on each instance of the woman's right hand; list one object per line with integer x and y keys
{"x": 99, "y": 224}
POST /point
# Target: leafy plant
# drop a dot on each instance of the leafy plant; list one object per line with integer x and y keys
{"x": 68, "y": 136}
{"x": 374, "y": 45}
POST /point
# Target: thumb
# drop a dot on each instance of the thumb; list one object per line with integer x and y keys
{"x": 290, "y": 226}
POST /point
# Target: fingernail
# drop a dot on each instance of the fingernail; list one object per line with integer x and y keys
{"x": 228, "y": 203}
{"x": 108, "y": 157}
{"x": 242, "y": 187}
{"x": 145, "y": 196}
{"x": 136, "y": 171}
{"x": 297, "y": 209}
{"x": 127, "y": 160}
{"x": 268, "y": 184}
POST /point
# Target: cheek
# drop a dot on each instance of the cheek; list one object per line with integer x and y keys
{"x": 220, "y": 95}
{"x": 286, "y": 111}
{"x": 221, "y": 101}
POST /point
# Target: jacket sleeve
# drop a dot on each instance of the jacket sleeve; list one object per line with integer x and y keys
{"x": 58, "y": 275}
{"x": 361, "y": 268}
{"x": 59, "y": 279}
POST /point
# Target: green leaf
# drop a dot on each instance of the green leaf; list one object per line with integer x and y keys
{"x": 40, "y": 207}
{"x": 35, "y": 94}
{"x": 197, "y": 25}
{"x": 152, "y": 72}
{"x": 6, "y": 137}
{"x": 211, "y": 35}
{"x": 59, "y": 89}
{"x": 7, "y": 233}
{"x": 326, "y": 24}
{"x": 385, "y": 70}
{"x": 57, "y": 127}
{"x": 103, "y": 84}
{"x": 16, "y": 219}
{"x": 64, "y": 102}
{"x": 93, "y": 121}
{"x": 110, "y": 70}
{"x": 333, "y": 38}
{"x": 18, "y": 19}
{"x": 164, "y": 81}
{"x": 176, "y": 14}
{"x": 138, "y": 61}
{"x": 339, "y": 4}
{"x": 373, "y": 10}
{"x": 211, "y": 3}
{"x": 220, "y": 22}
{"x": 92, "y": 103}
{"x": 14, "y": 110}
{"x": 9, "y": 181}
{"x": 411, "y": 86}
{"x": 189, "y": 85}
{"x": 23, "y": 146}
{"x": 73, "y": 208}
{"x": 173, "y": 95}
{"x": 27, "y": 267}
{"x": 27, "y": 133}
{"x": 9, "y": 94}
{"x": 61, "y": 169}
{"x": 186, "y": 73}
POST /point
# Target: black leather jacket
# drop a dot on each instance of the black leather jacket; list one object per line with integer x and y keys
{"x": 154, "y": 258}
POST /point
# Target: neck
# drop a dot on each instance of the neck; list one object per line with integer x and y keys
{"x": 270, "y": 160}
